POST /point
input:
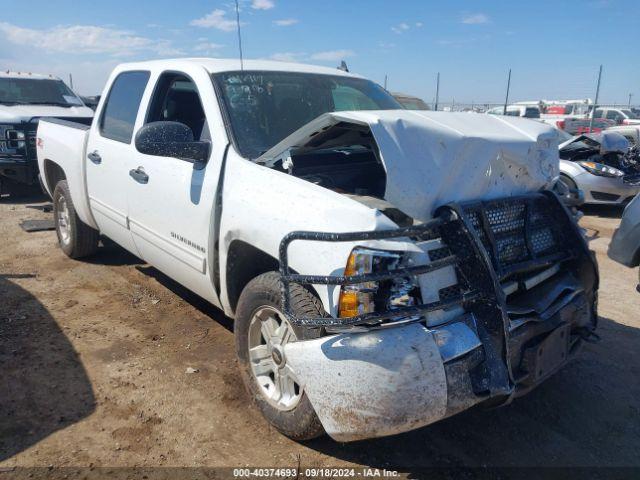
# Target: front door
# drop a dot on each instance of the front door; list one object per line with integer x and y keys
{"x": 171, "y": 206}
{"x": 110, "y": 152}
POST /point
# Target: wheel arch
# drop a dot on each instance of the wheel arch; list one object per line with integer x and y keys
{"x": 53, "y": 173}
{"x": 244, "y": 263}
{"x": 636, "y": 258}
{"x": 569, "y": 177}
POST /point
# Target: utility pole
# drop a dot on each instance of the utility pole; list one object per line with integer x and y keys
{"x": 70, "y": 82}
{"x": 630, "y": 95}
{"x": 385, "y": 82}
{"x": 506, "y": 100}
{"x": 239, "y": 36}
{"x": 595, "y": 104}
{"x": 437, "y": 91}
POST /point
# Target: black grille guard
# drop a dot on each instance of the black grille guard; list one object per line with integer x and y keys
{"x": 488, "y": 242}
{"x": 370, "y": 319}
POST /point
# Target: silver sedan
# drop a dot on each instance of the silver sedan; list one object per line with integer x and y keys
{"x": 586, "y": 165}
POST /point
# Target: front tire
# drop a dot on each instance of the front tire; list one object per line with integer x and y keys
{"x": 570, "y": 184}
{"x": 76, "y": 238}
{"x": 261, "y": 331}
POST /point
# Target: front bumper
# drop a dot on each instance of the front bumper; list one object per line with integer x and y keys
{"x": 605, "y": 190}
{"x": 534, "y": 285}
{"x": 18, "y": 158}
{"x": 390, "y": 381}
{"x": 19, "y": 171}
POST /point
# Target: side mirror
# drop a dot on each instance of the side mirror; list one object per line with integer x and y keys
{"x": 172, "y": 139}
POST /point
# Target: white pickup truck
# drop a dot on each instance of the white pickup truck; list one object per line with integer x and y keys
{"x": 384, "y": 268}
{"x": 24, "y": 99}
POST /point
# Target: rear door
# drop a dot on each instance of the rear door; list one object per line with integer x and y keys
{"x": 171, "y": 211}
{"x": 109, "y": 153}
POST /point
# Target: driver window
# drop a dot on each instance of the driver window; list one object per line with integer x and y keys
{"x": 176, "y": 99}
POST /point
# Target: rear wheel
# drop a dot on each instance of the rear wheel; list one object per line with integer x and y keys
{"x": 76, "y": 238}
{"x": 261, "y": 332}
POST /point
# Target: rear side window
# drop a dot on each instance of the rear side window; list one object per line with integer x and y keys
{"x": 121, "y": 109}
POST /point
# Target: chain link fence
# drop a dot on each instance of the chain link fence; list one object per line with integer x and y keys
{"x": 482, "y": 107}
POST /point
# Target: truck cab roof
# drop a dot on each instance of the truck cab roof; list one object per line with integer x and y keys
{"x": 218, "y": 65}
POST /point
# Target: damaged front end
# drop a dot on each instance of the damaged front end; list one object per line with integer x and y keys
{"x": 516, "y": 296}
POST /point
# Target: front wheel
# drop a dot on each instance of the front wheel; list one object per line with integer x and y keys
{"x": 571, "y": 187}
{"x": 76, "y": 238}
{"x": 261, "y": 333}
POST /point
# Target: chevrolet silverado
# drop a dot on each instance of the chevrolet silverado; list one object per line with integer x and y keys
{"x": 384, "y": 268}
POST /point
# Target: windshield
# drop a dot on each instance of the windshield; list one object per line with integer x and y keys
{"x": 266, "y": 107}
{"x": 532, "y": 112}
{"x": 31, "y": 91}
{"x": 564, "y": 136}
{"x": 630, "y": 114}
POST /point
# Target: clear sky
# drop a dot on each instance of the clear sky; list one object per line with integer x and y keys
{"x": 553, "y": 47}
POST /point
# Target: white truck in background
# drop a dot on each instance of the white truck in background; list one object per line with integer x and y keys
{"x": 572, "y": 116}
{"x": 25, "y": 98}
{"x": 384, "y": 268}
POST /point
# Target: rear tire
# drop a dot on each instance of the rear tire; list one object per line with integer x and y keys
{"x": 76, "y": 238}
{"x": 277, "y": 395}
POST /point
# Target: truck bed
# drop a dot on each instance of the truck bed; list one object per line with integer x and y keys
{"x": 63, "y": 143}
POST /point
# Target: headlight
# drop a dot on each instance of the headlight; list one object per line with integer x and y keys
{"x": 601, "y": 169}
{"x": 368, "y": 297}
{"x": 15, "y": 135}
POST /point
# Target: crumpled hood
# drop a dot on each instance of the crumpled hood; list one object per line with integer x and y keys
{"x": 609, "y": 142}
{"x": 23, "y": 113}
{"x": 433, "y": 158}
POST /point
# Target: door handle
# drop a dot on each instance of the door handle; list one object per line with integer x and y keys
{"x": 95, "y": 157}
{"x": 139, "y": 175}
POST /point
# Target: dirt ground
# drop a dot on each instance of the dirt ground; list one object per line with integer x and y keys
{"x": 93, "y": 359}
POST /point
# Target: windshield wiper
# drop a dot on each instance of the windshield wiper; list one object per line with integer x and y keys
{"x": 56, "y": 104}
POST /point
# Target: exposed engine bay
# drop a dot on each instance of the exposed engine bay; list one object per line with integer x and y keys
{"x": 343, "y": 158}
{"x": 346, "y": 160}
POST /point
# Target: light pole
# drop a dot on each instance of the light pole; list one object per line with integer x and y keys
{"x": 437, "y": 91}
{"x": 506, "y": 100}
{"x": 595, "y": 105}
